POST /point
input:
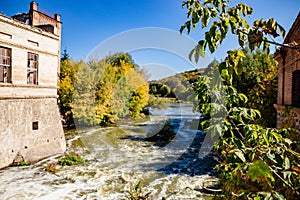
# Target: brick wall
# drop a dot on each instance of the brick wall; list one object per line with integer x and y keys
{"x": 289, "y": 61}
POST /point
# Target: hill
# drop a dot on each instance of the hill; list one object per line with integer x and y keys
{"x": 177, "y": 86}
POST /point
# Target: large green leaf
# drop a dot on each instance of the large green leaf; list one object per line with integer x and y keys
{"x": 259, "y": 170}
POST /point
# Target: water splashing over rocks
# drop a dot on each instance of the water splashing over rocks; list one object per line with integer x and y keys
{"x": 162, "y": 152}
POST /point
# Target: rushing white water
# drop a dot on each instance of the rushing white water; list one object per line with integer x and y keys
{"x": 117, "y": 158}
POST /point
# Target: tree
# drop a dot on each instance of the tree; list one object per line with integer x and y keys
{"x": 259, "y": 81}
{"x": 65, "y": 55}
{"x": 101, "y": 92}
{"x": 68, "y": 71}
{"x": 255, "y": 162}
{"x": 84, "y": 108}
{"x": 164, "y": 91}
{"x": 108, "y": 90}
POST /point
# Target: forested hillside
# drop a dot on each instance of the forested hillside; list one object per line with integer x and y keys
{"x": 177, "y": 86}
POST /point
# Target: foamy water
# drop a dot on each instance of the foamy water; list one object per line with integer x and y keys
{"x": 116, "y": 159}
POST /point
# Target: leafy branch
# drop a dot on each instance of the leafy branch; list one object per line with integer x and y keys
{"x": 255, "y": 162}
{"x": 220, "y": 18}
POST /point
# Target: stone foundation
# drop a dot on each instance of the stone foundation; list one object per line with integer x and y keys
{"x": 31, "y": 130}
{"x": 287, "y": 116}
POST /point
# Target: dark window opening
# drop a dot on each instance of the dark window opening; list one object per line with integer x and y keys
{"x": 296, "y": 88}
{"x": 35, "y": 125}
{"x": 5, "y": 65}
{"x": 32, "y": 69}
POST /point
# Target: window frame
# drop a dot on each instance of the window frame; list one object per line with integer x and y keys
{"x": 5, "y": 65}
{"x": 32, "y": 68}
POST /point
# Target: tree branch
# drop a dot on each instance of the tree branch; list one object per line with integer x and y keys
{"x": 296, "y": 47}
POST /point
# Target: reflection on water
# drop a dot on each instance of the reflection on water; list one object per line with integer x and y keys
{"x": 161, "y": 152}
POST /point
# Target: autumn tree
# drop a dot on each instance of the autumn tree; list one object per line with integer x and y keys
{"x": 108, "y": 90}
{"x": 68, "y": 71}
{"x": 102, "y": 92}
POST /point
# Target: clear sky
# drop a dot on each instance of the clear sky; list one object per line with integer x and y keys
{"x": 86, "y": 24}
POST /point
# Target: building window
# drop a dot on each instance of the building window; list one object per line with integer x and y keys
{"x": 5, "y": 65}
{"x": 35, "y": 125}
{"x": 32, "y": 68}
{"x": 296, "y": 88}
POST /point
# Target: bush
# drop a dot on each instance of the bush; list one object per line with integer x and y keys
{"x": 71, "y": 159}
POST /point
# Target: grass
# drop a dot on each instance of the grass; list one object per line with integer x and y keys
{"x": 71, "y": 159}
{"x": 136, "y": 193}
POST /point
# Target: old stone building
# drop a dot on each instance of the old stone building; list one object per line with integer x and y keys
{"x": 31, "y": 128}
{"x": 288, "y": 102}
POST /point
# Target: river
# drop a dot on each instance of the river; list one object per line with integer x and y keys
{"x": 118, "y": 157}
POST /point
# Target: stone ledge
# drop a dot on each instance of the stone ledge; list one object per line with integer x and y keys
{"x": 281, "y": 108}
{"x": 26, "y": 86}
{"x": 28, "y": 97}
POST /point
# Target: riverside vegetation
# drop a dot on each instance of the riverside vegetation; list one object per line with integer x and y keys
{"x": 101, "y": 92}
{"x": 244, "y": 141}
{"x": 256, "y": 162}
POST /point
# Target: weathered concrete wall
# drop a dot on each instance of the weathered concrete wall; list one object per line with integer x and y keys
{"x": 25, "y": 91}
{"x": 30, "y": 130}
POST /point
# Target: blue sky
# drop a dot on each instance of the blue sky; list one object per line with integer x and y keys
{"x": 86, "y": 24}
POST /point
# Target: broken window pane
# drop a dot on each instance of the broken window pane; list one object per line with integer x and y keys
{"x": 5, "y": 65}
{"x": 32, "y": 68}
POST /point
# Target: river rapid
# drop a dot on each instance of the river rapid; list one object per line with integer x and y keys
{"x": 118, "y": 157}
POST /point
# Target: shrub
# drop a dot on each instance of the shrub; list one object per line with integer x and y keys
{"x": 71, "y": 159}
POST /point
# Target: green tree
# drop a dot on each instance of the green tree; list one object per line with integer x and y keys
{"x": 65, "y": 55}
{"x": 164, "y": 91}
{"x": 255, "y": 162}
{"x": 259, "y": 81}
{"x": 153, "y": 89}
